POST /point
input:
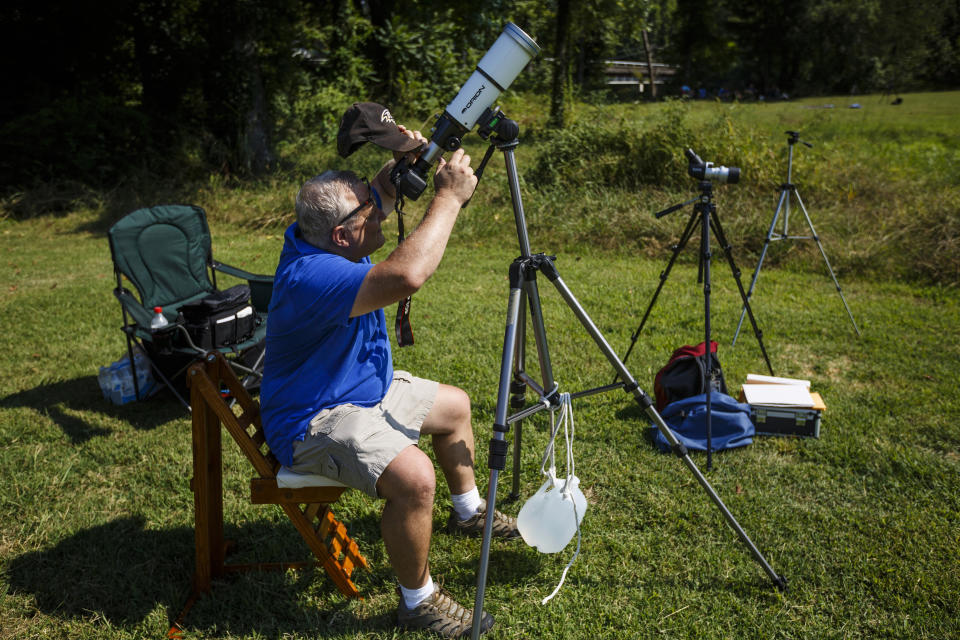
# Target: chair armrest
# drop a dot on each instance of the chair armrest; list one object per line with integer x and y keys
{"x": 261, "y": 286}
{"x": 132, "y": 306}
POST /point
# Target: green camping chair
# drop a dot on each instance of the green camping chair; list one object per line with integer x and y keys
{"x": 165, "y": 253}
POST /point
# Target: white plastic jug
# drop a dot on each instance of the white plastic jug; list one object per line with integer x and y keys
{"x": 547, "y": 519}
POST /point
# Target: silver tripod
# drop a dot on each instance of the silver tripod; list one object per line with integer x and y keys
{"x": 787, "y": 190}
{"x": 514, "y": 380}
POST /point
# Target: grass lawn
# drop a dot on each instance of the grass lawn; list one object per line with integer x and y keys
{"x": 96, "y": 537}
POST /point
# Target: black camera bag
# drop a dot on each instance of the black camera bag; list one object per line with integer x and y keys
{"x": 683, "y": 375}
{"x": 221, "y": 318}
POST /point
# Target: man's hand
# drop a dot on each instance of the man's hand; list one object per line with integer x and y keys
{"x": 455, "y": 179}
{"x": 411, "y": 155}
{"x": 381, "y": 182}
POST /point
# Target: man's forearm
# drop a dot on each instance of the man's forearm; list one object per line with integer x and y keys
{"x": 381, "y": 182}
{"x": 419, "y": 255}
{"x": 412, "y": 263}
{"x": 409, "y": 266}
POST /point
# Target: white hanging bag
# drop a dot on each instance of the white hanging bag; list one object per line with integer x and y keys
{"x": 551, "y": 516}
{"x": 548, "y": 520}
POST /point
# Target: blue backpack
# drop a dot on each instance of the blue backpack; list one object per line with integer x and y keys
{"x": 730, "y": 424}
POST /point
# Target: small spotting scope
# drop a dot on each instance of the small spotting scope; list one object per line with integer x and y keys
{"x": 708, "y": 171}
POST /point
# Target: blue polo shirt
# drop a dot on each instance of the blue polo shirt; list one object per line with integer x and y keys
{"x": 317, "y": 356}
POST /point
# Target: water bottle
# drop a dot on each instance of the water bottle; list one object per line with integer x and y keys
{"x": 159, "y": 321}
{"x": 116, "y": 380}
{"x": 125, "y": 376}
{"x": 116, "y": 392}
{"x": 120, "y": 381}
{"x": 103, "y": 377}
{"x": 144, "y": 374}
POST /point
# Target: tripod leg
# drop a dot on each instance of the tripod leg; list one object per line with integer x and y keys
{"x": 516, "y": 402}
{"x": 523, "y": 286}
{"x": 816, "y": 238}
{"x": 630, "y": 385}
{"x": 517, "y": 392}
{"x": 677, "y": 248}
{"x": 498, "y": 443}
{"x": 728, "y": 251}
{"x": 707, "y": 359}
{"x": 763, "y": 254}
{"x": 539, "y": 329}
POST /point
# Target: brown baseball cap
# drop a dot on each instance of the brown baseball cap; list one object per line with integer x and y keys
{"x": 371, "y": 122}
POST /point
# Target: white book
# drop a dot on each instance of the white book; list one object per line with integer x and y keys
{"x": 756, "y": 378}
{"x": 778, "y": 395}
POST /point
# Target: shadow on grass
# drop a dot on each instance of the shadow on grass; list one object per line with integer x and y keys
{"x": 65, "y": 401}
{"x": 506, "y": 566}
{"x": 121, "y": 572}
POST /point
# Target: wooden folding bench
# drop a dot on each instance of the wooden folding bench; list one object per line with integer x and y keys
{"x": 306, "y": 499}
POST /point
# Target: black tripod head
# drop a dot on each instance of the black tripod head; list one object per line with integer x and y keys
{"x": 495, "y": 123}
{"x": 502, "y": 132}
{"x": 793, "y": 137}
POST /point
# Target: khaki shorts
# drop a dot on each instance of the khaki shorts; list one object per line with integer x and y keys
{"x": 355, "y": 444}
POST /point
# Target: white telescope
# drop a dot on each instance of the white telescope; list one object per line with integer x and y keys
{"x": 495, "y": 72}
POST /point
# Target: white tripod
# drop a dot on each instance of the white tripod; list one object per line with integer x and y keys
{"x": 786, "y": 190}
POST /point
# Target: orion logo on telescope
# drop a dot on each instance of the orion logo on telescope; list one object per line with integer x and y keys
{"x": 701, "y": 170}
{"x": 475, "y": 96}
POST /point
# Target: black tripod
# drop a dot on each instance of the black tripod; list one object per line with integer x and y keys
{"x": 514, "y": 380}
{"x": 704, "y": 212}
{"x": 787, "y": 190}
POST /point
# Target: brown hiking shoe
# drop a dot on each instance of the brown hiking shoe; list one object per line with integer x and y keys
{"x": 503, "y": 525}
{"x": 441, "y": 614}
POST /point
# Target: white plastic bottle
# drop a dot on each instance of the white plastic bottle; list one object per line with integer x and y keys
{"x": 159, "y": 321}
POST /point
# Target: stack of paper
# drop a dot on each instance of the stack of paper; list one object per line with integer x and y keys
{"x": 771, "y": 391}
{"x": 755, "y": 378}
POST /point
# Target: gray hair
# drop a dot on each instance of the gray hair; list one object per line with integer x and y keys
{"x": 321, "y": 203}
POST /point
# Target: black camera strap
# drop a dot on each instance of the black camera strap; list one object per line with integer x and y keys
{"x": 402, "y": 324}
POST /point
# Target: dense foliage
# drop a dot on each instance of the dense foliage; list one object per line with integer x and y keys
{"x": 94, "y": 89}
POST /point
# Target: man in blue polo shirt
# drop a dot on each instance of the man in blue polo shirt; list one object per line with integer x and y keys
{"x": 332, "y": 403}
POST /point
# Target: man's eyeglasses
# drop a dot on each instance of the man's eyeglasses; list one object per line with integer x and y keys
{"x": 373, "y": 198}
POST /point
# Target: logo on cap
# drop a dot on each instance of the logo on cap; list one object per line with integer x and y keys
{"x": 386, "y": 117}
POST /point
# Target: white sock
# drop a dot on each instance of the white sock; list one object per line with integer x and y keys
{"x": 466, "y": 504}
{"x": 413, "y": 597}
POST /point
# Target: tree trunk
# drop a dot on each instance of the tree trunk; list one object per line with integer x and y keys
{"x": 255, "y": 147}
{"x": 379, "y": 13}
{"x": 649, "y": 52}
{"x": 237, "y": 110}
{"x": 560, "y": 64}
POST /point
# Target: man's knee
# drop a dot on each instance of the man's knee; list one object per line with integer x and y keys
{"x": 422, "y": 483}
{"x": 410, "y": 477}
{"x": 461, "y": 405}
{"x": 452, "y": 407}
